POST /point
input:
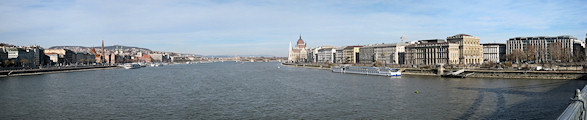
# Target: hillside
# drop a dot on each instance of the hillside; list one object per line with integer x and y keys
{"x": 105, "y": 47}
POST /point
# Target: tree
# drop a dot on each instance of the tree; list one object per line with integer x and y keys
{"x": 555, "y": 51}
{"x": 541, "y": 55}
{"x": 82, "y": 61}
{"x": 518, "y": 55}
{"x": 530, "y": 52}
{"x": 6, "y": 63}
{"x": 578, "y": 56}
{"x": 23, "y": 62}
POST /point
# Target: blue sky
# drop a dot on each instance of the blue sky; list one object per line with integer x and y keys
{"x": 251, "y": 27}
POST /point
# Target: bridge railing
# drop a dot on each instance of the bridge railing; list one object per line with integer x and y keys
{"x": 577, "y": 108}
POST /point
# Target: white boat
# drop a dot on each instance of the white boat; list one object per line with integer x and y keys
{"x": 131, "y": 66}
{"x": 156, "y": 64}
{"x": 383, "y": 71}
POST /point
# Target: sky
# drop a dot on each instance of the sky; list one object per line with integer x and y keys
{"x": 265, "y": 27}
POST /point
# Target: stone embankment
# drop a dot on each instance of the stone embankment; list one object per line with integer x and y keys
{"x": 568, "y": 75}
{"x": 517, "y": 74}
{"x": 7, "y": 73}
{"x": 313, "y": 66}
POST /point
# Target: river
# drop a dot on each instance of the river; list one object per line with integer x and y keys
{"x": 233, "y": 90}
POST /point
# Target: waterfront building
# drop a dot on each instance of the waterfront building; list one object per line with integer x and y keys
{"x": 470, "y": 51}
{"x": 388, "y": 53}
{"x": 493, "y": 52}
{"x": 339, "y": 55}
{"x": 432, "y": 52}
{"x": 3, "y": 55}
{"x": 542, "y": 44}
{"x": 23, "y": 56}
{"x": 14, "y": 52}
{"x": 578, "y": 50}
{"x": 68, "y": 55}
{"x": 382, "y": 53}
{"x": 114, "y": 58}
{"x": 84, "y": 58}
{"x": 38, "y": 56}
{"x": 351, "y": 54}
{"x": 147, "y": 59}
{"x": 161, "y": 57}
{"x": 55, "y": 58}
{"x": 173, "y": 58}
{"x": 312, "y": 55}
{"x": 367, "y": 54}
{"x": 326, "y": 54}
{"x": 299, "y": 53}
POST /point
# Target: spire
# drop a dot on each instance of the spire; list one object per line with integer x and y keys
{"x": 290, "y": 53}
{"x": 103, "y": 55}
{"x": 300, "y": 36}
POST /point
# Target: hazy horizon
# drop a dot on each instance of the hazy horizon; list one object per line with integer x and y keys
{"x": 266, "y": 27}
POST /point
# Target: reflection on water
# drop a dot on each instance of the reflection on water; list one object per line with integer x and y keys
{"x": 264, "y": 91}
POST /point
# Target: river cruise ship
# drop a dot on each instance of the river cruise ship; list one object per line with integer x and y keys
{"x": 383, "y": 71}
{"x": 131, "y": 66}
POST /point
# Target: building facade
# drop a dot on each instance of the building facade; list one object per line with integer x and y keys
{"x": 299, "y": 53}
{"x": 493, "y": 52}
{"x": 326, "y": 55}
{"x": 160, "y": 57}
{"x": 68, "y": 55}
{"x": 388, "y": 53}
{"x": 470, "y": 51}
{"x": 84, "y": 58}
{"x": 432, "y": 52}
{"x": 351, "y": 54}
{"x": 543, "y": 45}
{"x": 3, "y": 55}
{"x": 339, "y": 55}
{"x": 367, "y": 54}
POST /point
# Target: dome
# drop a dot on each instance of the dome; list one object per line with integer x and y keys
{"x": 300, "y": 41}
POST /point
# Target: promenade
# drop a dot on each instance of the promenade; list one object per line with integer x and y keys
{"x": 477, "y": 73}
{"x": 7, "y": 73}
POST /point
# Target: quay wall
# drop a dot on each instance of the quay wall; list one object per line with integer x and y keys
{"x": 563, "y": 75}
{"x": 419, "y": 72}
{"x": 528, "y": 74}
{"x": 50, "y": 70}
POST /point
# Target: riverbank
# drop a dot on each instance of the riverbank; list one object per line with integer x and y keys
{"x": 8, "y": 73}
{"x": 512, "y": 74}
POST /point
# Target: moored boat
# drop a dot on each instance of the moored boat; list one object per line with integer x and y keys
{"x": 131, "y": 66}
{"x": 383, "y": 71}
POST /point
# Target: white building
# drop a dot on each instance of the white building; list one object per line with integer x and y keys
{"x": 493, "y": 52}
{"x": 541, "y": 45}
{"x": 299, "y": 53}
{"x": 339, "y": 55}
{"x": 432, "y": 52}
{"x": 389, "y": 53}
{"x": 326, "y": 54}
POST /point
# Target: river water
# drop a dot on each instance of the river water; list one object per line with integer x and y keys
{"x": 263, "y": 91}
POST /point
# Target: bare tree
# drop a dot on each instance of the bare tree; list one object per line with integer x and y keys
{"x": 578, "y": 56}
{"x": 555, "y": 51}
{"x": 530, "y": 52}
{"x": 518, "y": 55}
{"x": 541, "y": 55}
